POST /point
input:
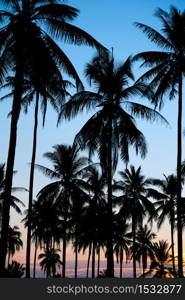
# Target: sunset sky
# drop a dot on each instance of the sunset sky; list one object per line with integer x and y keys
{"x": 111, "y": 23}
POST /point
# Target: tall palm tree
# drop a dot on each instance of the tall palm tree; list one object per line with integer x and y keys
{"x": 68, "y": 170}
{"x": 111, "y": 127}
{"x": 160, "y": 260}
{"x": 134, "y": 201}
{"x": 144, "y": 237}
{"x": 167, "y": 70}
{"x": 14, "y": 242}
{"x": 50, "y": 261}
{"x": 27, "y": 29}
{"x": 122, "y": 242}
{"x": 166, "y": 204}
{"x": 44, "y": 91}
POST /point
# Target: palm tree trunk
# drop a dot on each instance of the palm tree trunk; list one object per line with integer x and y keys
{"x": 172, "y": 239}
{"x": 88, "y": 261}
{"x": 121, "y": 264}
{"x": 98, "y": 268}
{"x": 93, "y": 259}
{"x": 134, "y": 244}
{"x": 110, "y": 257}
{"x": 64, "y": 250}
{"x": 35, "y": 258}
{"x": 179, "y": 161}
{"x": 32, "y": 168}
{"x": 76, "y": 259}
{"x": 10, "y": 163}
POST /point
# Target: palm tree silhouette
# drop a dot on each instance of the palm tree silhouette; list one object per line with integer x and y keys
{"x": 160, "y": 260}
{"x": 27, "y": 28}
{"x": 122, "y": 242}
{"x": 111, "y": 127}
{"x": 144, "y": 237}
{"x": 44, "y": 91}
{"x": 134, "y": 201}
{"x": 14, "y": 242}
{"x": 68, "y": 170}
{"x": 166, "y": 204}
{"x": 50, "y": 261}
{"x": 166, "y": 76}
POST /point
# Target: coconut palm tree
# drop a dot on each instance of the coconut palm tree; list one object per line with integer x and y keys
{"x": 29, "y": 30}
{"x": 111, "y": 127}
{"x": 44, "y": 91}
{"x": 160, "y": 260}
{"x": 166, "y": 204}
{"x": 50, "y": 261}
{"x": 165, "y": 76}
{"x": 122, "y": 242}
{"x": 144, "y": 237}
{"x": 14, "y": 242}
{"x": 68, "y": 170}
{"x": 134, "y": 201}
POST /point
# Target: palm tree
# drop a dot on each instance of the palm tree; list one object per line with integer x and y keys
{"x": 160, "y": 260}
{"x": 111, "y": 127}
{"x": 44, "y": 90}
{"x": 15, "y": 270}
{"x": 121, "y": 242}
{"x": 27, "y": 29}
{"x": 14, "y": 241}
{"x": 144, "y": 237}
{"x": 166, "y": 204}
{"x": 166, "y": 76}
{"x": 134, "y": 201}
{"x": 50, "y": 261}
{"x": 68, "y": 170}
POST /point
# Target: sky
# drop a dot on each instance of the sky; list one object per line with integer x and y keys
{"x": 111, "y": 23}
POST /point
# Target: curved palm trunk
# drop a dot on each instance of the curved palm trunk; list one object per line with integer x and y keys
{"x": 35, "y": 258}
{"x": 93, "y": 259}
{"x": 179, "y": 161}
{"x": 134, "y": 244}
{"x": 121, "y": 264}
{"x": 16, "y": 107}
{"x": 88, "y": 261}
{"x": 32, "y": 168}
{"x": 110, "y": 257}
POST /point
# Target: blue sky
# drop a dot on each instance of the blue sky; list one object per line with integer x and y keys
{"x": 111, "y": 23}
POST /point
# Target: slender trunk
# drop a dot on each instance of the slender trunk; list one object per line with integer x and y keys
{"x": 121, "y": 264}
{"x": 88, "y": 261}
{"x": 35, "y": 258}
{"x": 110, "y": 257}
{"x": 64, "y": 250}
{"x": 93, "y": 259}
{"x": 32, "y": 169}
{"x": 98, "y": 268}
{"x": 76, "y": 259}
{"x": 172, "y": 238}
{"x": 134, "y": 244}
{"x": 179, "y": 161}
{"x": 10, "y": 164}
